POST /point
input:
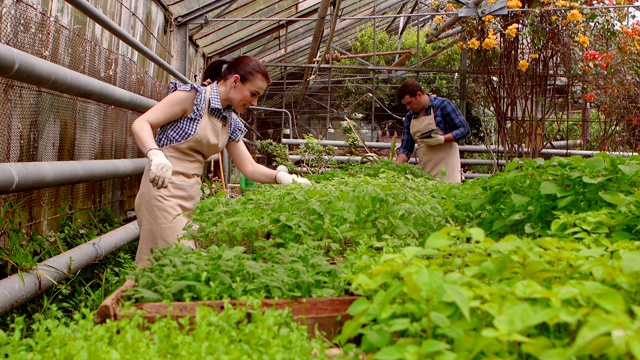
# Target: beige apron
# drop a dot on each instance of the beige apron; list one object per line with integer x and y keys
{"x": 434, "y": 159}
{"x": 163, "y": 213}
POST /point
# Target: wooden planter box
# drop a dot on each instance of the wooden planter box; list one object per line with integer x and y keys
{"x": 327, "y": 315}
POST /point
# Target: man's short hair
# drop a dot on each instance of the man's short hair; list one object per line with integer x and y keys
{"x": 409, "y": 87}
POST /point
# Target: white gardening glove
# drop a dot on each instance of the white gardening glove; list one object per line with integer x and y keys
{"x": 285, "y": 178}
{"x": 160, "y": 168}
{"x": 435, "y": 139}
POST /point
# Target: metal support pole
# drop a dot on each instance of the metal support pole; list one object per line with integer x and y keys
{"x": 17, "y": 289}
{"x": 94, "y": 14}
{"x": 29, "y": 69}
{"x": 15, "y": 177}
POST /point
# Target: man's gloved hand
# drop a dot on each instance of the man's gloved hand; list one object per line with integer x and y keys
{"x": 160, "y": 169}
{"x": 435, "y": 139}
{"x": 284, "y": 178}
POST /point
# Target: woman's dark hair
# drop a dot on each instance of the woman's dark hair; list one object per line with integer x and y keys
{"x": 409, "y": 87}
{"x": 245, "y": 66}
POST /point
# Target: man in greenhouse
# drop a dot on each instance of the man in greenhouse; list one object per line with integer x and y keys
{"x": 435, "y": 124}
{"x": 194, "y": 123}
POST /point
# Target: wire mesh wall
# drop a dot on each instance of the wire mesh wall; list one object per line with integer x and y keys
{"x": 42, "y": 125}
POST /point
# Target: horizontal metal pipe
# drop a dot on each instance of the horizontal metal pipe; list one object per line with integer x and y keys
{"x": 411, "y": 160}
{"x": 336, "y": 143}
{"x": 15, "y": 177}
{"x": 469, "y": 148}
{"x": 20, "y": 66}
{"x": 15, "y": 291}
{"x": 94, "y": 14}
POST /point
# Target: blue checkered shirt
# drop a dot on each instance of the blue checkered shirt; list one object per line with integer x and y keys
{"x": 448, "y": 118}
{"x": 184, "y": 128}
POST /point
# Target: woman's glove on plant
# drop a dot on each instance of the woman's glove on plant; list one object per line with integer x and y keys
{"x": 285, "y": 178}
{"x": 160, "y": 168}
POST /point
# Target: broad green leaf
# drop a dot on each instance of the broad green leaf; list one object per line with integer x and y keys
{"x": 459, "y": 298}
{"x": 609, "y": 299}
{"x": 413, "y": 251}
{"x": 630, "y": 262}
{"x": 477, "y": 234}
{"x": 564, "y": 201}
{"x": 519, "y": 199}
{"x": 594, "y": 164}
{"x": 537, "y": 345}
{"x": 594, "y": 327}
{"x": 548, "y": 187}
{"x": 439, "y": 319}
{"x": 490, "y": 332}
{"x": 389, "y": 353}
{"x": 596, "y": 346}
{"x": 438, "y": 240}
{"x": 596, "y": 253}
{"x": 378, "y": 337}
{"x": 567, "y": 292}
{"x": 594, "y": 180}
{"x": 629, "y": 169}
{"x": 634, "y": 346}
{"x": 515, "y": 337}
{"x": 612, "y": 197}
{"x": 527, "y": 289}
{"x": 398, "y": 324}
{"x": 430, "y": 346}
{"x": 358, "y": 307}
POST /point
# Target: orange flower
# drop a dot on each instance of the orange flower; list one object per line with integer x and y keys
{"x": 523, "y": 65}
{"x": 474, "y": 43}
{"x": 573, "y": 16}
{"x": 591, "y": 55}
{"x": 512, "y": 30}
{"x": 583, "y": 40}
{"x": 514, "y": 4}
{"x": 590, "y": 97}
{"x": 490, "y": 42}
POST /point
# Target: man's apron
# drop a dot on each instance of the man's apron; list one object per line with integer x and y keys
{"x": 163, "y": 213}
{"x": 434, "y": 159}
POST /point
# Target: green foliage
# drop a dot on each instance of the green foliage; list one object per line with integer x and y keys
{"x": 224, "y": 272}
{"x": 352, "y": 139}
{"x": 316, "y": 158}
{"x": 230, "y": 334}
{"x": 334, "y": 214}
{"x": 463, "y": 295}
{"x": 527, "y": 197}
{"x": 275, "y": 153}
{"x": 88, "y": 288}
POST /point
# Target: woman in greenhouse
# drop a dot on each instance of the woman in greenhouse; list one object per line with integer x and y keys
{"x": 436, "y": 125}
{"x": 194, "y": 123}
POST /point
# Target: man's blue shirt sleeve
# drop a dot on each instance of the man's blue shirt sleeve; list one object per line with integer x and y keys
{"x": 408, "y": 144}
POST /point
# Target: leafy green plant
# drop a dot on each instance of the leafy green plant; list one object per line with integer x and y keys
{"x": 315, "y": 157}
{"x": 230, "y": 334}
{"x": 275, "y": 153}
{"x": 339, "y": 211}
{"x": 464, "y": 295}
{"x": 222, "y": 272}
{"x": 527, "y": 196}
{"x": 352, "y": 139}
{"x": 18, "y": 252}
